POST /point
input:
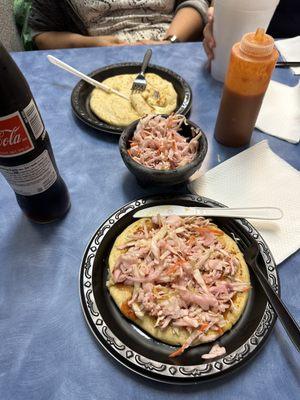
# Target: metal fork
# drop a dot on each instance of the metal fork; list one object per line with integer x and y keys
{"x": 140, "y": 83}
{"x": 250, "y": 249}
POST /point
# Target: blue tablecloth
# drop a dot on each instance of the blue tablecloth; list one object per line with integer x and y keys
{"x": 46, "y": 350}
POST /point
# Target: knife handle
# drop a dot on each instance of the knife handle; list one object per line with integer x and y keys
{"x": 271, "y": 213}
{"x": 266, "y": 213}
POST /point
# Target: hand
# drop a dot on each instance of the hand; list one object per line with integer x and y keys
{"x": 104, "y": 41}
{"x": 209, "y": 41}
{"x": 151, "y": 42}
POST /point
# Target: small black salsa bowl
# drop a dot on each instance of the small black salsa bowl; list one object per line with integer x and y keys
{"x": 146, "y": 175}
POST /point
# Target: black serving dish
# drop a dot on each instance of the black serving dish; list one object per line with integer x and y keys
{"x": 136, "y": 349}
{"x": 80, "y": 98}
{"x": 147, "y": 175}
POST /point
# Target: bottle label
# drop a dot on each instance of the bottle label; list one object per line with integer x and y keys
{"x": 15, "y": 139}
{"x": 33, "y": 119}
{"x": 33, "y": 177}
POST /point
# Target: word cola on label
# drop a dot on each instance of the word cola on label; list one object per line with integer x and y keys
{"x": 26, "y": 157}
{"x": 10, "y": 137}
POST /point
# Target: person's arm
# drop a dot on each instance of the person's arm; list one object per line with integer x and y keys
{"x": 61, "y": 40}
{"x": 189, "y": 20}
{"x": 54, "y": 27}
{"x": 187, "y": 25}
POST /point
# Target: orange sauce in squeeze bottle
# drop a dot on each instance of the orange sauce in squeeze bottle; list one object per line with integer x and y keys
{"x": 252, "y": 61}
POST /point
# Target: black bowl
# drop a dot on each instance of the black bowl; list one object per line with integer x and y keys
{"x": 146, "y": 175}
{"x": 80, "y": 99}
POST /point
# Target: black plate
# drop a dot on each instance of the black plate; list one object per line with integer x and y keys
{"x": 137, "y": 350}
{"x": 80, "y": 98}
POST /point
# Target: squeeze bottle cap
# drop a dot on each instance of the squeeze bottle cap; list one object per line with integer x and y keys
{"x": 257, "y": 44}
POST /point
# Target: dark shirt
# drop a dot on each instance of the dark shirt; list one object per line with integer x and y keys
{"x": 286, "y": 20}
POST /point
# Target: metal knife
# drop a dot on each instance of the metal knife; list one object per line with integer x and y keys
{"x": 268, "y": 213}
{"x": 287, "y": 64}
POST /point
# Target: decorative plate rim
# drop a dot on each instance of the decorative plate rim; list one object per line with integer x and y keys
{"x": 147, "y": 367}
{"x": 103, "y": 126}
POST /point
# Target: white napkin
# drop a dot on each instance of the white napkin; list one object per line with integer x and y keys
{"x": 290, "y": 51}
{"x": 280, "y": 112}
{"x": 257, "y": 177}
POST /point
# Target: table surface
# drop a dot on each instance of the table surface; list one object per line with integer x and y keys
{"x": 47, "y": 351}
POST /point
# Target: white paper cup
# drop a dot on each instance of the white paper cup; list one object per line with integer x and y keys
{"x": 232, "y": 19}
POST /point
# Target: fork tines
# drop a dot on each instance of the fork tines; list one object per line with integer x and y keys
{"x": 139, "y": 84}
{"x": 245, "y": 241}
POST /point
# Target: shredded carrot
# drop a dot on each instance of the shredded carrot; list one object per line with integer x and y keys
{"x": 174, "y": 267}
{"x": 210, "y": 230}
{"x": 127, "y": 311}
{"x": 192, "y": 240}
{"x": 171, "y": 269}
{"x": 177, "y": 352}
{"x": 203, "y": 327}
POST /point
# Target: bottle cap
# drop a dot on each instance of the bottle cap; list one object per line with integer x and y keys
{"x": 257, "y": 44}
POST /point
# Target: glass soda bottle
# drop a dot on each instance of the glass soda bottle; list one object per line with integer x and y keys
{"x": 26, "y": 157}
{"x": 252, "y": 61}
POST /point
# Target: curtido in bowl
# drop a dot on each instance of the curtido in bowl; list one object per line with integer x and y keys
{"x": 163, "y": 150}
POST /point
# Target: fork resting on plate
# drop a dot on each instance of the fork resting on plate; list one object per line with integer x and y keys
{"x": 250, "y": 249}
{"x": 140, "y": 83}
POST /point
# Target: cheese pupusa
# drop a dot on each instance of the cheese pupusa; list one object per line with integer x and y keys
{"x": 182, "y": 280}
{"x": 159, "y": 97}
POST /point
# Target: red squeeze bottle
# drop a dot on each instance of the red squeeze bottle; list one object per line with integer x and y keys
{"x": 249, "y": 72}
{"x": 26, "y": 157}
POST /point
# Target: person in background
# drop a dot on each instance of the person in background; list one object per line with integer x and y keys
{"x": 21, "y": 11}
{"x": 284, "y": 24}
{"x": 74, "y": 23}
